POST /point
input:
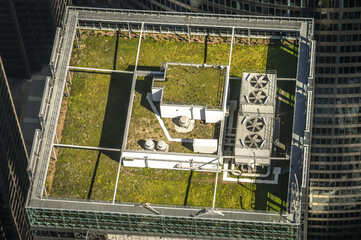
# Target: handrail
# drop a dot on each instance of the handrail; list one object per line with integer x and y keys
{"x": 190, "y": 14}
{"x": 45, "y": 102}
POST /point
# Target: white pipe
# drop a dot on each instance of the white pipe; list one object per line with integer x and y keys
{"x": 87, "y": 147}
{"x": 276, "y": 172}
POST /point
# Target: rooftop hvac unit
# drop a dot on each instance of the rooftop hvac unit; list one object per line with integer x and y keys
{"x": 254, "y": 135}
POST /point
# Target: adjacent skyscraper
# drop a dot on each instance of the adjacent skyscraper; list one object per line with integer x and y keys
{"x": 335, "y": 166}
{"x": 14, "y": 180}
{"x": 27, "y": 33}
{"x": 334, "y": 178}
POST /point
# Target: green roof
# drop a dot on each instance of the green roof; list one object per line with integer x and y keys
{"x": 194, "y": 85}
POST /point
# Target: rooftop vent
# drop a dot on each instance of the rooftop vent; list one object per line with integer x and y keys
{"x": 253, "y": 141}
{"x": 259, "y": 80}
{"x": 257, "y": 97}
{"x": 149, "y": 144}
{"x": 162, "y": 145}
{"x": 184, "y": 121}
{"x": 255, "y": 124}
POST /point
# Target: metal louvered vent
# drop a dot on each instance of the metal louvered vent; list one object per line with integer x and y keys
{"x": 255, "y": 124}
{"x": 257, "y": 97}
{"x": 259, "y": 80}
{"x": 253, "y": 141}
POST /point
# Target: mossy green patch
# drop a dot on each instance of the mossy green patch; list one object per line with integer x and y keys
{"x": 84, "y": 119}
{"x": 178, "y": 188}
{"x": 193, "y": 85}
{"x": 84, "y": 174}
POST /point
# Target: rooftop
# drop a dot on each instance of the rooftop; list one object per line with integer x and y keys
{"x": 106, "y": 113}
{"x": 95, "y": 115}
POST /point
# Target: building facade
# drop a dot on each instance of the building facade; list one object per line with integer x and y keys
{"x": 14, "y": 180}
{"x": 27, "y": 33}
{"x": 335, "y": 166}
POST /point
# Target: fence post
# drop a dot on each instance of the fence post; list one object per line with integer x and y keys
{"x": 70, "y": 80}
{"x": 130, "y": 31}
{"x": 189, "y": 33}
{"x": 56, "y": 159}
{"x": 249, "y": 37}
{"x": 67, "y": 90}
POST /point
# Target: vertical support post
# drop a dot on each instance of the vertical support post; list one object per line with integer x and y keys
{"x": 230, "y": 51}
{"x": 215, "y": 186}
{"x": 116, "y": 182}
{"x": 130, "y": 31}
{"x": 51, "y": 66}
{"x": 67, "y": 90}
{"x": 56, "y": 138}
{"x": 41, "y": 121}
{"x": 78, "y": 27}
{"x": 249, "y": 37}
{"x": 189, "y": 33}
{"x": 140, "y": 41}
{"x": 70, "y": 80}
{"x": 146, "y": 161}
{"x": 56, "y": 159}
{"x": 46, "y": 194}
{"x": 77, "y": 42}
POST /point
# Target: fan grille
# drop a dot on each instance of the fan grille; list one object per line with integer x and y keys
{"x": 254, "y": 124}
{"x": 257, "y": 97}
{"x": 253, "y": 141}
{"x": 259, "y": 81}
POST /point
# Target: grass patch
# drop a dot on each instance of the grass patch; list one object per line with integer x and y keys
{"x": 96, "y": 109}
{"x": 94, "y": 51}
{"x": 248, "y": 57}
{"x": 177, "y": 188}
{"x": 235, "y": 195}
{"x": 84, "y": 174}
{"x": 155, "y": 53}
{"x": 96, "y": 115}
{"x": 99, "y": 51}
{"x": 217, "y": 54}
{"x": 187, "y": 84}
{"x": 200, "y": 131}
{"x": 86, "y": 109}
